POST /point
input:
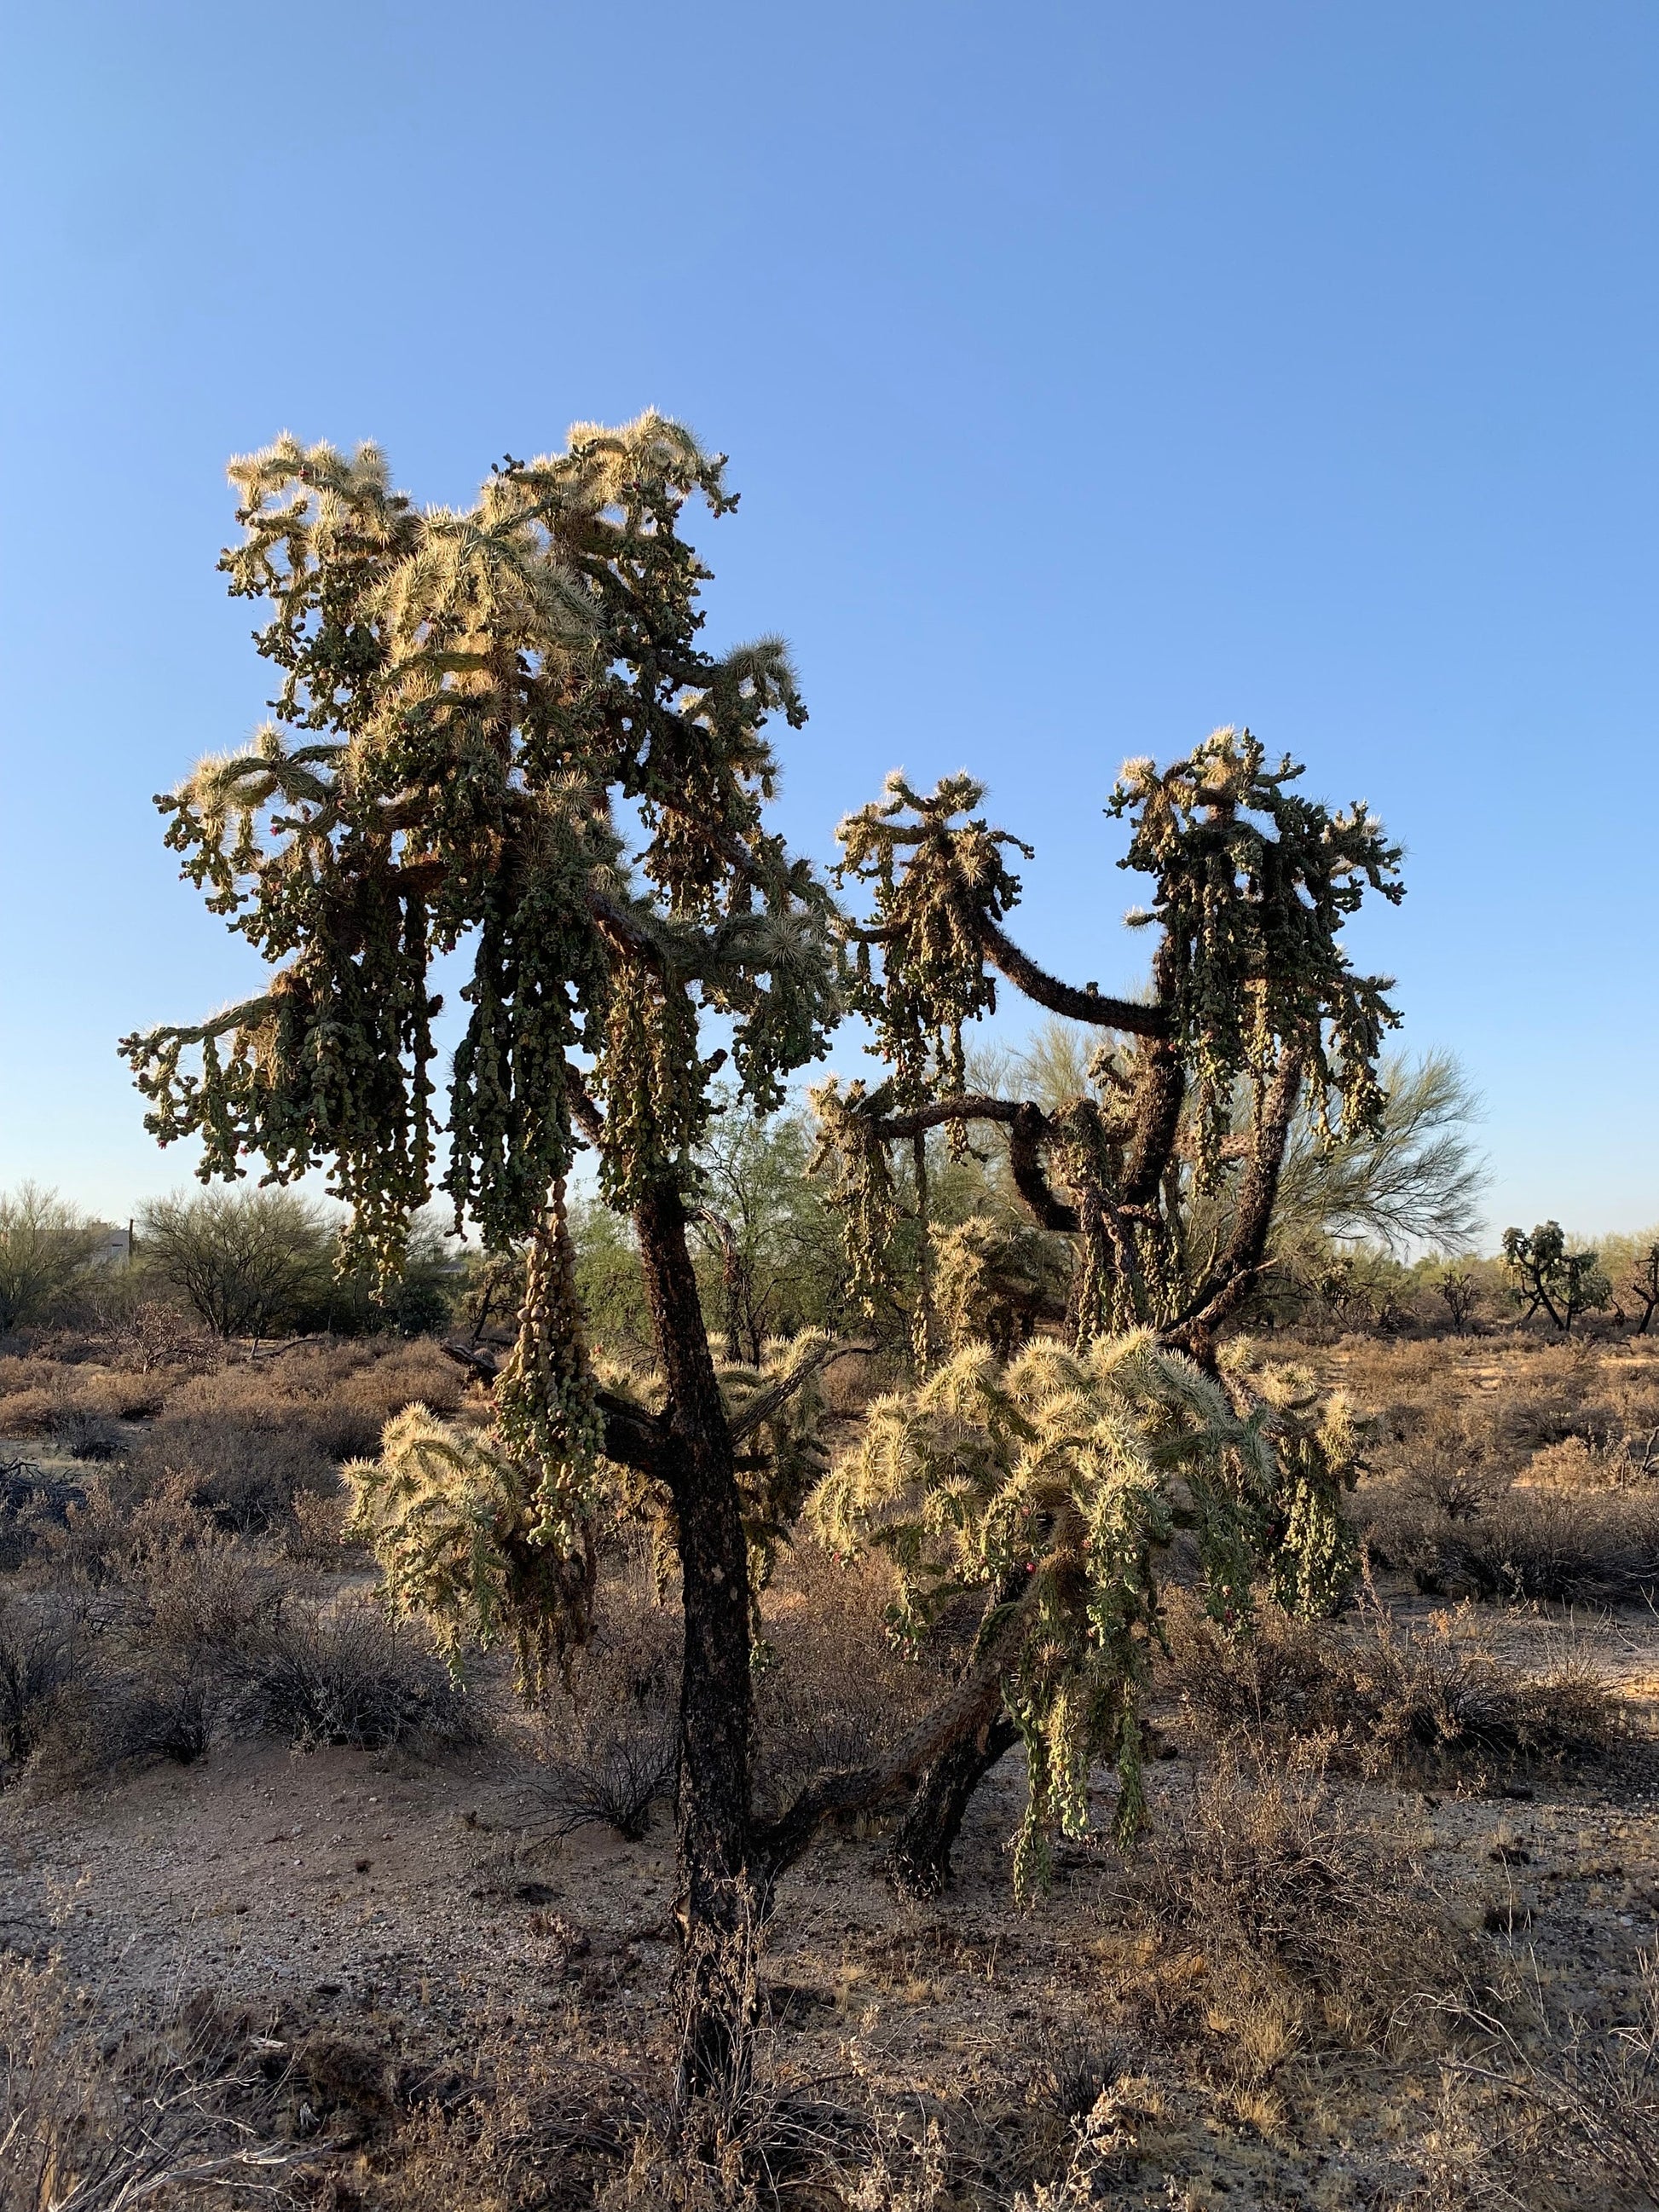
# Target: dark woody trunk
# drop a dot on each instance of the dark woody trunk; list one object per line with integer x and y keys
{"x": 715, "y": 1907}
{"x": 919, "y": 1863}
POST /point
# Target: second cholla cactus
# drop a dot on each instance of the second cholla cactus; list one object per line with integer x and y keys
{"x": 1058, "y": 1480}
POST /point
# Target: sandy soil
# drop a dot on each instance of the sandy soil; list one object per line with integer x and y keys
{"x": 419, "y": 1908}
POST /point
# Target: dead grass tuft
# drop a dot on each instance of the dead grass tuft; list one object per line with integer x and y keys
{"x": 1307, "y": 1917}
{"x": 1392, "y": 1700}
{"x": 180, "y": 2112}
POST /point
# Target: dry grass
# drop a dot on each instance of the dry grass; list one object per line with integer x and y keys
{"x": 1533, "y": 1544}
{"x": 182, "y": 2112}
{"x": 1268, "y": 1996}
{"x": 1387, "y": 1700}
{"x": 1309, "y": 1917}
{"x": 840, "y": 1689}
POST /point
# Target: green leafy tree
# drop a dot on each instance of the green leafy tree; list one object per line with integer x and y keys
{"x": 45, "y": 1247}
{"x": 1548, "y": 1277}
{"x": 1407, "y": 1174}
{"x": 245, "y": 1262}
{"x": 610, "y": 1283}
{"x": 419, "y": 1301}
{"x": 465, "y": 702}
{"x": 1346, "y": 1206}
{"x": 770, "y": 1241}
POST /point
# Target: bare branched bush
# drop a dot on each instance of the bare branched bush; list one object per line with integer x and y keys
{"x": 1593, "y": 2090}
{"x": 615, "y": 1776}
{"x": 612, "y": 1746}
{"x": 346, "y": 1674}
{"x": 42, "y": 1660}
{"x": 85, "y": 1435}
{"x": 1387, "y": 1699}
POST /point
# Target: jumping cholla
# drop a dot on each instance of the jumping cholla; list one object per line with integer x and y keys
{"x": 497, "y": 733}
{"x": 470, "y": 703}
{"x": 1059, "y": 1480}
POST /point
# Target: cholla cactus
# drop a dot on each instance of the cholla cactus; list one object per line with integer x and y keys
{"x": 1254, "y": 1015}
{"x": 1250, "y": 967}
{"x": 1056, "y": 1481}
{"x": 467, "y": 701}
{"x": 994, "y": 1278}
{"x": 455, "y": 1522}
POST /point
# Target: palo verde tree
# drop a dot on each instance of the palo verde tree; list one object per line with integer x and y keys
{"x": 1253, "y": 999}
{"x": 474, "y": 708}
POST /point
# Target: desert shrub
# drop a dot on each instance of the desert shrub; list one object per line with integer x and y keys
{"x": 1380, "y": 1374}
{"x": 84, "y": 1435}
{"x": 43, "y": 1661}
{"x": 1389, "y": 1700}
{"x": 157, "y": 1712}
{"x": 315, "y": 1534}
{"x": 610, "y": 1745}
{"x": 619, "y": 1770}
{"x": 104, "y": 1538}
{"x": 839, "y": 1687}
{"x": 28, "y": 1413}
{"x": 411, "y": 1373}
{"x": 337, "y": 1397}
{"x": 183, "y": 1604}
{"x": 31, "y": 1505}
{"x": 149, "y": 1333}
{"x": 1576, "y": 1464}
{"x": 24, "y": 1371}
{"x": 246, "y": 1470}
{"x": 1530, "y": 1420}
{"x": 1305, "y": 1910}
{"x": 1452, "y": 1462}
{"x": 1535, "y": 1543}
{"x": 1594, "y": 2091}
{"x": 346, "y": 1674}
{"x": 197, "y": 1592}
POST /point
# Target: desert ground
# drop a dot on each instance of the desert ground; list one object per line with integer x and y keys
{"x": 347, "y": 1934}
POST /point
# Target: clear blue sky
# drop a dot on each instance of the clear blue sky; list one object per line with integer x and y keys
{"x": 1092, "y": 374}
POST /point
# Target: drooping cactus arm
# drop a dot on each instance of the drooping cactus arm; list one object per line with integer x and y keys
{"x": 1045, "y": 990}
{"x": 768, "y": 1402}
{"x": 1029, "y": 1129}
{"x": 634, "y": 1436}
{"x": 1160, "y": 1096}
